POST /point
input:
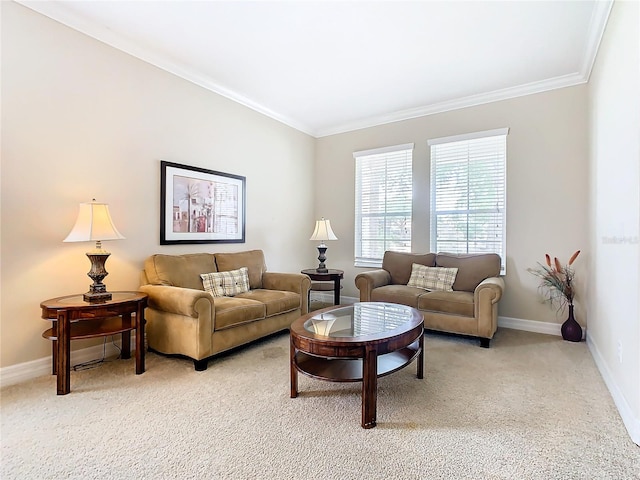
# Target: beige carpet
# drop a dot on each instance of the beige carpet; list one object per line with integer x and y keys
{"x": 530, "y": 407}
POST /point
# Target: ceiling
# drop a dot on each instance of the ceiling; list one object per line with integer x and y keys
{"x": 326, "y": 67}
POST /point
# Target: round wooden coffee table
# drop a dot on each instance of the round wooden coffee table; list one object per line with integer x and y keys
{"x": 357, "y": 343}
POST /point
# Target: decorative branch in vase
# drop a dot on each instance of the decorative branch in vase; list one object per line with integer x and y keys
{"x": 556, "y": 283}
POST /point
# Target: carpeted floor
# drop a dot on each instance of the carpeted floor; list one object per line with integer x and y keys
{"x": 530, "y": 407}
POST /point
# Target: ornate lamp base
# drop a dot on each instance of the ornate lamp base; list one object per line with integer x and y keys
{"x": 322, "y": 257}
{"x": 98, "y": 291}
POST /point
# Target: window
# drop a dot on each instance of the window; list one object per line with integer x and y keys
{"x": 468, "y": 193}
{"x": 383, "y": 203}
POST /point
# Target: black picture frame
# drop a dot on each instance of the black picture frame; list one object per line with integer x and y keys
{"x": 198, "y": 205}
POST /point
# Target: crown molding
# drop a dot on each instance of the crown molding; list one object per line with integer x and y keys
{"x": 597, "y": 25}
{"x": 459, "y": 103}
{"x": 60, "y": 14}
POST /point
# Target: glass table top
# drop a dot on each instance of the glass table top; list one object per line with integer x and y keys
{"x": 359, "y": 319}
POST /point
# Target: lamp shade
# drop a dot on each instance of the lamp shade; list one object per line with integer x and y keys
{"x": 323, "y": 231}
{"x": 93, "y": 224}
{"x": 322, "y": 323}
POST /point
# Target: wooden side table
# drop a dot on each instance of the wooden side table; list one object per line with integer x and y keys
{"x": 334, "y": 276}
{"x": 73, "y": 318}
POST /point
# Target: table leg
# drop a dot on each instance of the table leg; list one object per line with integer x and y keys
{"x": 126, "y": 338}
{"x": 63, "y": 357}
{"x": 421, "y": 356}
{"x": 293, "y": 370}
{"x": 54, "y": 355}
{"x": 336, "y": 291}
{"x": 140, "y": 339}
{"x": 369, "y": 387}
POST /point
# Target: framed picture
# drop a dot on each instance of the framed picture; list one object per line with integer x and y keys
{"x": 200, "y": 206}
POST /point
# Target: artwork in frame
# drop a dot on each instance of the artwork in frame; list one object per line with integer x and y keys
{"x": 200, "y": 206}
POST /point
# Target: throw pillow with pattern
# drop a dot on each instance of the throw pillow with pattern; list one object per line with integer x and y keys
{"x": 432, "y": 278}
{"x": 226, "y": 284}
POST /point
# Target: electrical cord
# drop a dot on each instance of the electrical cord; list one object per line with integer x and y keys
{"x": 99, "y": 361}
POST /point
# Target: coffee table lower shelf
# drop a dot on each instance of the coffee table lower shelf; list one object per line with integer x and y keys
{"x": 350, "y": 369}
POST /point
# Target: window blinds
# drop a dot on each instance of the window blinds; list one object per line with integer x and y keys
{"x": 383, "y": 203}
{"x": 468, "y": 193}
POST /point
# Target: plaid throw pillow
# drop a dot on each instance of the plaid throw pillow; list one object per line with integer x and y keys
{"x": 432, "y": 278}
{"x": 226, "y": 284}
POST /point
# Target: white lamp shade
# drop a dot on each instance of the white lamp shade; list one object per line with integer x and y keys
{"x": 322, "y": 324}
{"x": 323, "y": 231}
{"x": 93, "y": 224}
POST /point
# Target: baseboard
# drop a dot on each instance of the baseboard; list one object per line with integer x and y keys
{"x": 328, "y": 298}
{"x": 23, "y": 372}
{"x": 534, "y": 326}
{"x": 631, "y": 422}
{"x": 529, "y": 325}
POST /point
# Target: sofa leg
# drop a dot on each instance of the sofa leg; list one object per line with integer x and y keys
{"x": 484, "y": 342}
{"x": 200, "y": 365}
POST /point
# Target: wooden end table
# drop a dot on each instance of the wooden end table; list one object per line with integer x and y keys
{"x": 357, "y": 343}
{"x": 73, "y": 318}
{"x": 330, "y": 275}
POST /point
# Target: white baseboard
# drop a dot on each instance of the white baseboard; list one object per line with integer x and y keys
{"x": 534, "y": 326}
{"x": 631, "y": 423}
{"x": 23, "y": 372}
{"x": 529, "y": 325}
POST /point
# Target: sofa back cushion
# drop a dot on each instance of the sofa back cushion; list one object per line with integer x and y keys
{"x": 472, "y": 268}
{"x": 399, "y": 264}
{"x": 252, "y": 259}
{"x": 179, "y": 270}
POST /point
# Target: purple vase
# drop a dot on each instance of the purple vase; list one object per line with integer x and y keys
{"x": 571, "y": 330}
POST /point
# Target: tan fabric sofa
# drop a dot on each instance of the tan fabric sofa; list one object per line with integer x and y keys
{"x": 470, "y": 309}
{"x": 184, "y": 319}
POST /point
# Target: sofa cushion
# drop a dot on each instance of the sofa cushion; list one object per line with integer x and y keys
{"x": 456, "y": 303}
{"x": 226, "y": 284}
{"x": 472, "y": 268}
{"x": 432, "y": 278}
{"x": 179, "y": 270}
{"x": 232, "y": 311}
{"x": 398, "y": 264}
{"x": 275, "y": 301}
{"x": 397, "y": 294}
{"x": 252, "y": 259}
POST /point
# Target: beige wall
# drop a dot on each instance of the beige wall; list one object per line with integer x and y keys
{"x": 81, "y": 120}
{"x": 547, "y": 174}
{"x": 614, "y": 101}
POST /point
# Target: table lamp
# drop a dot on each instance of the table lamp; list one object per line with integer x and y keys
{"x": 322, "y": 232}
{"x": 94, "y": 224}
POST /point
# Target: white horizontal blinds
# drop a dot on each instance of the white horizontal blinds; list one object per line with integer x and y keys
{"x": 468, "y": 195}
{"x": 383, "y": 203}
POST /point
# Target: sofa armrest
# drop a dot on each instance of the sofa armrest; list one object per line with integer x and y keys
{"x": 490, "y": 289}
{"x": 181, "y": 301}
{"x": 485, "y": 300}
{"x": 367, "y": 281}
{"x": 289, "y": 282}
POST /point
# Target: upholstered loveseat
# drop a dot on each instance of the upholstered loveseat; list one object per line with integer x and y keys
{"x": 184, "y": 319}
{"x": 469, "y": 306}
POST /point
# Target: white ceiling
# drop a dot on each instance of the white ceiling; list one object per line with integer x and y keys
{"x": 326, "y": 67}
